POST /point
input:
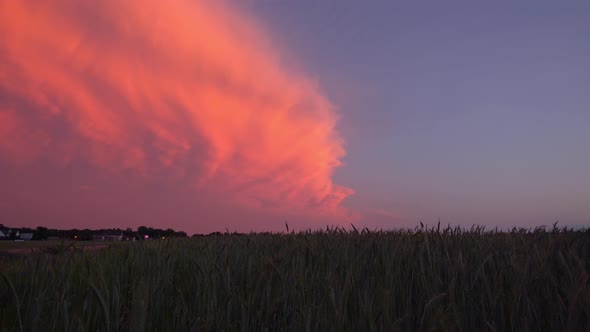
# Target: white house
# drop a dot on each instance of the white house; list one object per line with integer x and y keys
{"x": 105, "y": 237}
{"x": 26, "y": 236}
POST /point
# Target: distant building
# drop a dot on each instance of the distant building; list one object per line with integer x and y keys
{"x": 105, "y": 237}
{"x": 3, "y": 235}
{"x": 26, "y": 236}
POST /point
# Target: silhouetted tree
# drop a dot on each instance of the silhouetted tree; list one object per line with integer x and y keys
{"x": 41, "y": 233}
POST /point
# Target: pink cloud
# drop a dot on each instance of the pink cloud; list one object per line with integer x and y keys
{"x": 190, "y": 89}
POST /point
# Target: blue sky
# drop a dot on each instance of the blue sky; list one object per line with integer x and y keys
{"x": 469, "y": 111}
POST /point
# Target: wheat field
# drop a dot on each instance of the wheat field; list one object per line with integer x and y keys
{"x": 426, "y": 279}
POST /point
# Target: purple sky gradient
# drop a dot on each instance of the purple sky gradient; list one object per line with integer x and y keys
{"x": 471, "y": 112}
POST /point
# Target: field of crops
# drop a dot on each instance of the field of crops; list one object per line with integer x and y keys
{"x": 418, "y": 280}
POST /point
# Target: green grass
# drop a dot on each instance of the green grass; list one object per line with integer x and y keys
{"x": 318, "y": 281}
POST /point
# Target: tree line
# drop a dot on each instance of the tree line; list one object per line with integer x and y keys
{"x": 44, "y": 233}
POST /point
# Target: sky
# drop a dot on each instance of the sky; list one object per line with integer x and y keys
{"x": 209, "y": 116}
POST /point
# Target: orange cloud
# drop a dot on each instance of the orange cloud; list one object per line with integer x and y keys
{"x": 190, "y": 88}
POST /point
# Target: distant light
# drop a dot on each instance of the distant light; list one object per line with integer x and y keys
{"x": 146, "y": 236}
{"x": 163, "y": 237}
{"x": 75, "y": 236}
